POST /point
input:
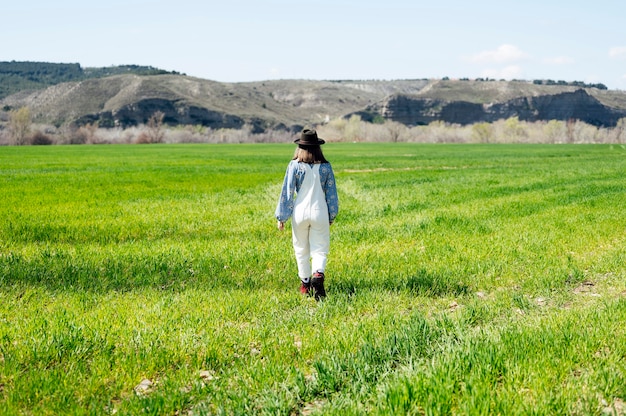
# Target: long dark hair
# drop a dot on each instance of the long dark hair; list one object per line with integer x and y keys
{"x": 309, "y": 154}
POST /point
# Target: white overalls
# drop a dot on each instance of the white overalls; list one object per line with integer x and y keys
{"x": 310, "y": 226}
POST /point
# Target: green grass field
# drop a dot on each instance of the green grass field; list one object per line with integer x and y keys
{"x": 463, "y": 279}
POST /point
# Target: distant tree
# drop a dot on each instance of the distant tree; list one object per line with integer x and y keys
{"x": 19, "y": 126}
{"x": 154, "y": 132}
{"x": 620, "y": 130}
{"x": 395, "y": 130}
{"x": 570, "y": 126}
{"x": 482, "y": 132}
{"x": 84, "y": 134}
{"x": 554, "y": 131}
{"x": 378, "y": 119}
{"x": 513, "y": 128}
{"x": 352, "y": 131}
{"x": 155, "y": 127}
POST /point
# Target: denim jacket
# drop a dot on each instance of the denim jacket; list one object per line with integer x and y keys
{"x": 291, "y": 186}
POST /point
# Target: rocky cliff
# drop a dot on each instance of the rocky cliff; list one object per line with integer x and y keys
{"x": 417, "y": 109}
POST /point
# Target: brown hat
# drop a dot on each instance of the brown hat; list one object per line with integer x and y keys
{"x": 309, "y": 137}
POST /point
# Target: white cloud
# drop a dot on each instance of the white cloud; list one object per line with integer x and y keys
{"x": 559, "y": 60}
{"x": 617, "y": 52}
{"x": 508, "y": 72}
{"x": 274, "y": 72}
{"x": 504, "y": 53}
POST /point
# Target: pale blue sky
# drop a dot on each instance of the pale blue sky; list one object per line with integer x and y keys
{"x": 248, "y": 40}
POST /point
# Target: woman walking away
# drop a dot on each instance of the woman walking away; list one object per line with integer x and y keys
{"x": 309, "y": 197}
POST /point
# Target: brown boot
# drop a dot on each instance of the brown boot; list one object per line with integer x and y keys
{"x": 317, "y": 282}
{"x": 305, "y": 288}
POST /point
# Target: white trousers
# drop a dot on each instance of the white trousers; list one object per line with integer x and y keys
{"x": 310, "y": 226}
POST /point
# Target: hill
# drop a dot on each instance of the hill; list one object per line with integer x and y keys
{"x": 62, "y": 94}
{"x": 126, "y": 100}
{"x": 20, "y": 76}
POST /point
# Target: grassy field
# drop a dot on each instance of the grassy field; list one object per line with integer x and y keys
{"x": 463, "y": 279}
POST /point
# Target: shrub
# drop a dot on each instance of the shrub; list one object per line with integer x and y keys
{"x": 554, "y": 131}
{"x": 396, "y": 130}
{"x": 79, "y": 136}
{"x": 155, "y": 131}
{"x": 620, "y": 131}
{"x": 143, "y": 138}
{"x": 82, "y": 135}
{"x": 353, "y": 132}
{"x": 513, "y": 128}
{"x": 40, "y": 139}
{"x": 482, "y": 132}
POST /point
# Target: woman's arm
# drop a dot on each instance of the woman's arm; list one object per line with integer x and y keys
{"x": 330, "y": 190}
{"x": 284, "y": 208}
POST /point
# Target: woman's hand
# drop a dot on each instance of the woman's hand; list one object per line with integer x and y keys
{"x": 281, "y": 225}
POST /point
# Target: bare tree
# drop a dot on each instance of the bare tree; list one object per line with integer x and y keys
{"x": 152, "y": 132}
{"x": 570, "y": 128}
{"x": 620, "y": 130}
{"x": 155, "y": 127}
{"x": 482, "y": 132}
{"x": 352, "y": 131}
{"x": 395, "y": 130}
{"x": 19, "y": 126}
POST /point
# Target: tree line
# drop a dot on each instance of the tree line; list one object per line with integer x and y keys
{"x": 20, "y": 130}
{"x": 580, "y": 84}
{"x": 18, "y": 76}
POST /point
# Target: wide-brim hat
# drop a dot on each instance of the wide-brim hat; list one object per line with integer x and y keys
{"x": 308, "y": 137}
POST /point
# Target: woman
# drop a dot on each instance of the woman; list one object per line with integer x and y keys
{"x": 309, "y": 197}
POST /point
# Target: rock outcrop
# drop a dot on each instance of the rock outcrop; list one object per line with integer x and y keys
{"x": 413, "y": 110}
{"x": 175, "y": 113}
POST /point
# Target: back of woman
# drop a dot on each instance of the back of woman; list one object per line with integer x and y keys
{"x": 309, "y": 197}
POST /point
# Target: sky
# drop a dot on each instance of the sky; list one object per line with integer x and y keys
{"x": 255, "y": 40}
